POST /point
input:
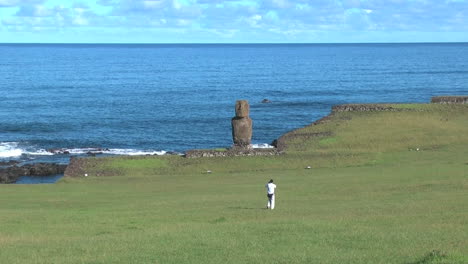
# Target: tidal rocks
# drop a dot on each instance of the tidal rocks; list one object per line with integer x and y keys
{"x": 242, "y": 125}
{"x": 11, "y": 174}
{"x": 45, "y": 169}
{"x": 55, "y": 151}
{"x": 59, "y": 151}
{"x": 8, "y": 163}
{"x": 266, "y": 101}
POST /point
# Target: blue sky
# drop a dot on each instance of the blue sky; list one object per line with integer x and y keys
{"x": 233, "y": 21}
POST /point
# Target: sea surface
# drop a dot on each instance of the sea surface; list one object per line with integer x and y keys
{"x": 62, "y": 100}
{"x": 38, "y": 179}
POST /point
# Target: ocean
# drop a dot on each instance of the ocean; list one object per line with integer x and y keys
{"x": 62, "y": 100}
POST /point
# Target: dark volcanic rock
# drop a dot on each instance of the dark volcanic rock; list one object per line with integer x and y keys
{"x": 233, "y": 152}
{"x": 363, "y": 108}
{"x": 170, "y": 153}
{"x": 9, "y": 163}
{"x": 44, "y": 169}
{"x": 11, "y": 174}
{"x": 450, "y": 100}
{"x": 58, "y": 151}
{"x": 55, "y": 150}
{"x": 75, "y": 168}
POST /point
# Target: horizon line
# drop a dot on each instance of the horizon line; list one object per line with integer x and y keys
{"x": 226, "y": 43}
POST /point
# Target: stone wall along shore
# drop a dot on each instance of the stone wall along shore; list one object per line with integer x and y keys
{"x": 364, "y": 108}
{"x": 450, "y": 100}
{"x": 234, "y": 152}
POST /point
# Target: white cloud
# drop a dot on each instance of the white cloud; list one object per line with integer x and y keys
{"x": 6, "y": 3}
{"x": 153, "y": 4}
{"x": 183, "y": 22}
{"x": 80, "y": 21}
{"x": 281, "y": 3}
{"x": 230, "y": 18}
{"x": 254, "y": 20}
{"x": 15, "y": 3}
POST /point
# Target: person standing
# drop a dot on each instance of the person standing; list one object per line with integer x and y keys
{"x": 271, "y": 194}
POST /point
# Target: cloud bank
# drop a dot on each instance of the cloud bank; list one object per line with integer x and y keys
{"x": 233, "y": 20}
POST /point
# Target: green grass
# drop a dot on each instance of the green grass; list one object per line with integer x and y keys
{"x": 370, "y": 197}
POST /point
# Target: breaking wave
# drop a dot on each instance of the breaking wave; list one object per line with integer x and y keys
{"x": 109, "y": 151}
{"x": 12, "y": 150}
{"x": 15, "y": 150}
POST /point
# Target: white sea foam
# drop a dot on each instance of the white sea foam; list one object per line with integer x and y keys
{"x": 134, "y": 152}
{"x": 40, "y": 152}
{"x": 12, "y": 150}
{"x": 128, "y": 152}
{"x": 262, "y": 146}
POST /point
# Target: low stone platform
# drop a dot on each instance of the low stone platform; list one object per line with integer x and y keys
{"x": 209, "y": 153}
{"x": 449, "y": 100}
{"x": 364, "y": 108}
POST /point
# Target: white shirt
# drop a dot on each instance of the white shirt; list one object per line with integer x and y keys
{"x": 271, "y": 188}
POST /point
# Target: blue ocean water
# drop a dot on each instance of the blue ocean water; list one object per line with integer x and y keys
{"x": 147, "y": 99}
{"x": 38, "y": 179}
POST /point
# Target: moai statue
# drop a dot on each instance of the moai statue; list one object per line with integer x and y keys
{"x": 242, "y": 125}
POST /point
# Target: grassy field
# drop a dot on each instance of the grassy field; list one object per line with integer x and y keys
{"x": 385, "y": 187}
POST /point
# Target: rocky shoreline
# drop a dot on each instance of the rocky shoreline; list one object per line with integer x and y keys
{"x": 233, "y": 152}
{"x": 12, "y": 173}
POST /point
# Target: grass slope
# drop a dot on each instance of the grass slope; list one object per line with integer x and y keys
{"x": 370, "y": 197}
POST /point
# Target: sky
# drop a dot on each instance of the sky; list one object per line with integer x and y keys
{"x": 233, "y": 21}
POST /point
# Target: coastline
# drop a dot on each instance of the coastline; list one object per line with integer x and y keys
{"x": 11, "y": 170}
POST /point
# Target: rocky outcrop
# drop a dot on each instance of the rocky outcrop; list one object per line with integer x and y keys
{"x": 8, "y": 163}
{"x": 44, "y": 169}
{"x": 234, "y": 152}
{"x": 364, "y": 108}
{"x": 11, "y": 174}
{"x": 450, "y": 100}
{"x": 75, "y": 167}
{"x": 242, "y": 125}
{"x": 88, "y": 166}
